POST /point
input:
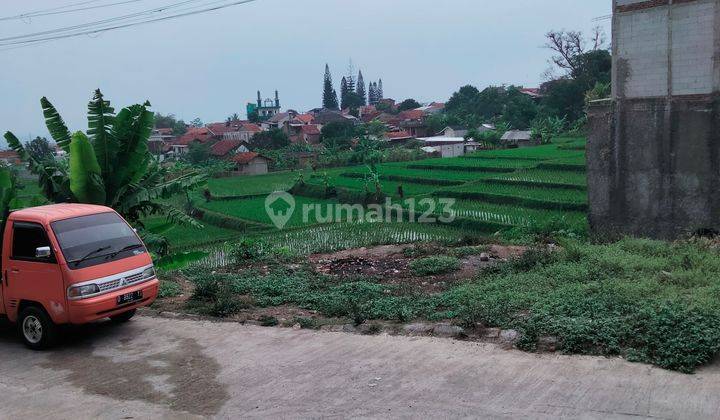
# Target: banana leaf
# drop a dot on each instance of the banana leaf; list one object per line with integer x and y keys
{"x": 85, "y": 174}
{"x": 55, "y": 124}
{"x": 101, "y": 117}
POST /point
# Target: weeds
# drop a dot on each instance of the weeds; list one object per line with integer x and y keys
{"x": 434, "y": 265}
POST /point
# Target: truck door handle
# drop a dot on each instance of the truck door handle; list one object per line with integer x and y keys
{"x": 15, "y": 270}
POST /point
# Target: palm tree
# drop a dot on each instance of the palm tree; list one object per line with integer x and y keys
{"x": 111, "y": 165}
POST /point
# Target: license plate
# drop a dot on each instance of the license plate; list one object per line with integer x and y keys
{"x": 129, "y": 297}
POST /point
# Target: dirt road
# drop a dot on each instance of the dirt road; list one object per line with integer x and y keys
{"x": 165, "y": 368}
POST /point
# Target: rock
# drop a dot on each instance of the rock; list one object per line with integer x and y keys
{"x": 418, "y": 328}
{"x": 349, "y": 328}
{"x": 448, "y": 330}
{"x": 491, "y": 333}
{"x": 253, "y": 322}
{"x": 510, "y": 336}
{"x": 547, "y": 344}
{"x": 484, "y": 257}
{"x": 297, "y": 327}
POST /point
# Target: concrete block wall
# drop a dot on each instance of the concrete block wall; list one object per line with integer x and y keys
{"x": 665, "y": 47}
{"x": 654, "y": 149}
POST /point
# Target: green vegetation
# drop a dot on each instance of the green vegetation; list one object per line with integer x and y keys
{"x": 431, "y": 266}
{"x": 650, "y": 301}
{"x": 111, "y": 165}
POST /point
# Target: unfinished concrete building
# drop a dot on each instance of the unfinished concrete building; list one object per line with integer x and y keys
{"x": 654, "y": 148}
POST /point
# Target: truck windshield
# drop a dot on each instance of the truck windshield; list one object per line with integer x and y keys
{"x": 95, "y": 239}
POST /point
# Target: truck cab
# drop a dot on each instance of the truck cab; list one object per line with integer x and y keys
{"x": 71, "y": 264}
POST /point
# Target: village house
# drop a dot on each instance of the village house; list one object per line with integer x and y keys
{"x": 9, "y": 157}
{"x": 251, "y": 163}
{"x": 517, "y": 138}
{"x": 244, "y": 132}
{"x": 397, "y": 136}
{"x": 226, "y": 149}
{"x": 413, "y": 121}
{"x": 194, "y": 134}
{"x": 448, "y": 147}
{"x": 432, "y": 108}
{"x": 305, "y": 134}
{"x": 460, "y": 131}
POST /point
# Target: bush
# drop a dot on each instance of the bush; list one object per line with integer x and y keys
{"x": 434, "y": 265}
{"x": 169, "y": 288}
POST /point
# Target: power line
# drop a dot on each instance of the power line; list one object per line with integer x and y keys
{"x": 31, "y": 14}
{"x": 52, "y": 12}
{"x": 99, "y": 22}
{"x": 127, "y": 25}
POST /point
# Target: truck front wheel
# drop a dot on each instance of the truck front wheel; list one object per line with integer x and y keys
{"x": 36, "y": 328}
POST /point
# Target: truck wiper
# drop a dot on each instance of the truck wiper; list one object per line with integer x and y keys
{"x": 89, "y": 254}
{"x": 127, "y": 248}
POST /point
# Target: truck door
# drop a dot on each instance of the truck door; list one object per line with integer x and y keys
{"x": 32, "y": 275}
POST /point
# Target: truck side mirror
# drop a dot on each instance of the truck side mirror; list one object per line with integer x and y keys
{"x": 42, "y": 252}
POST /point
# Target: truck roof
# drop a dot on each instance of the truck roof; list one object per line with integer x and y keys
{"x": 54, "y": 212}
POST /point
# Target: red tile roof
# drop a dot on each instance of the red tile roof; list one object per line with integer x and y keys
{"x": 223, "y": 147}
{"x": 413, "y": 114}
{"x": 253, "y": 128}
{"x": 244, "y": 158}
{"x": 201, "y": 134}
{"x": 395, "y": 135}
{"x": 305, "y": 118}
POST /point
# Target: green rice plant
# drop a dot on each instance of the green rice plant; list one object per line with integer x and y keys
{"x": 546, "y": 177}
{"x": 542, "y": 193}
{"x": 252, "y": 185}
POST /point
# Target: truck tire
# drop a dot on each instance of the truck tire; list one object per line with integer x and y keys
{"x": 123, "y": 317}
{"x": 36, "y": 329}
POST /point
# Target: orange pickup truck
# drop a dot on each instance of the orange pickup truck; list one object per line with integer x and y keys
{"x": 71, "y": 264}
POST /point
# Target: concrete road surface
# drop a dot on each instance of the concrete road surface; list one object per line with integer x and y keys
{"x": 174, "y": 369}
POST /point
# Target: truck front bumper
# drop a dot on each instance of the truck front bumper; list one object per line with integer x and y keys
{"x": 105, "y": 305}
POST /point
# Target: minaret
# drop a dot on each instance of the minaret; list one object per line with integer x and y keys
{"x": 277, "y": 99}
{"x": 259, "y": 100}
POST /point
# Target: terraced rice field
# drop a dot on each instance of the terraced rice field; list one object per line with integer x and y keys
{"x": 507, "y": 188}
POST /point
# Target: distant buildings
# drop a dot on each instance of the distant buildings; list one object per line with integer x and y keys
{"x": 264, "y": 109}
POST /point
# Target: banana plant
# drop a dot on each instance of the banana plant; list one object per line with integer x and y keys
{"x": 8, "y": 191}
{"x": 110, "y": 165}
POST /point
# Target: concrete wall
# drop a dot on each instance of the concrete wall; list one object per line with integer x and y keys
{"x": 654, "y": 149}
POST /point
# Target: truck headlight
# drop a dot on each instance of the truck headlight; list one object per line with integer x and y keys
{"x": 82, "y": 291}
{"x": 148, "y": 273}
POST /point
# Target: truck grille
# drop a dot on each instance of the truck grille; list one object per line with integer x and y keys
{"x": 104, "y": 287}
{"x": 133, "y": 279}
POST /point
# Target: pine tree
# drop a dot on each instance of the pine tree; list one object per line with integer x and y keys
{"x": 360, "y": 89}
{"x": 380, "y": 93}
{"x": 371, "y": 93}
{"x": 350, "y": 78}
{"x": 330, "y": 99}
{"x": 344, "y": 93}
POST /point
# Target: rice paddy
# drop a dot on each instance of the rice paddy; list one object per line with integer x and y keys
{"x": 512, "y": 188}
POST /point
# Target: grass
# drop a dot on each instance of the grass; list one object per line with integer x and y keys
{"x": 431, "y": 266}
{"x": 251, "y": 185}
{"x": 183, "y": 237}
{"x": 253, "y": 209}
{"x": 650, "y": 301}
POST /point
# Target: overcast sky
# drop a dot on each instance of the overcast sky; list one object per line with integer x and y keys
{"x": 211, "y": 65}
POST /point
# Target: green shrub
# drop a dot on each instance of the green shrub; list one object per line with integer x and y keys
{"x": 434, "y": 265}
{"x": 169, "y": 288}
